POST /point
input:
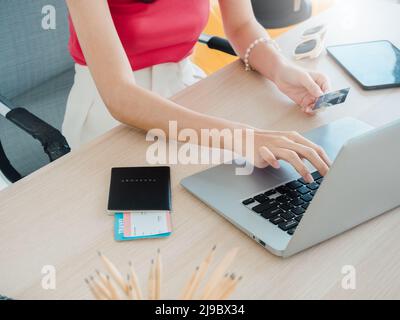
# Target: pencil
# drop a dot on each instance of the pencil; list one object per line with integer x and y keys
{"x": 158, "y": 274}
{"x": 130, "y": 291}
{"x": 95, "y": 293}
{"x": 113, "y": 289}
{"x": 102, "y": 278}
{"x": 220, "y": 287}
{"x": 219, "y": 272}
{"x": 201, "y": 273}
{"x": 230, "y": 289}
{"x": 135, "y": 282}
{"x": 114, "y": 272}
{"x": 100, "y": 287}
{"x": 151, "y": 289}
{"x": 189, "y": 284}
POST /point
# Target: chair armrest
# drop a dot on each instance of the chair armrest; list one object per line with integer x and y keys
{"x": 6, "y": 168}
{"x": 53, "y": 142}
{"x": 217, "y": 43}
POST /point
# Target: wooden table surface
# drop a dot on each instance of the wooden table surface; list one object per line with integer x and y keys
{"x": 57, "y": 216}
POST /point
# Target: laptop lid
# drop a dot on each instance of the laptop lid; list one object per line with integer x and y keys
{"x": 362, "y": 184}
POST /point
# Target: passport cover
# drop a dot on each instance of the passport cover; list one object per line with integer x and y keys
{"x": 140, "y": 189}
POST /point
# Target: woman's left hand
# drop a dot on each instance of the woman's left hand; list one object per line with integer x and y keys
{"x": 303, "y": 87}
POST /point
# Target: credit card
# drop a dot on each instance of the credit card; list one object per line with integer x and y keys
{"x": 331, "y": 99}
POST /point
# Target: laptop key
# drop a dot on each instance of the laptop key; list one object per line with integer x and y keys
{"x": 264, "y": 206}
{"x": 287, "y": 215}
{"x": 291, "y": 231}
{"x": 297, "y": 202}
{"x": 303, "y": 190}
{"x": 282, "y": 189}
{"x": 285, "y": 226}
{"x": 269, "y": 193}
{"x": 248, "y": 201}
{"x": 307, "y": 197}
{"x": 319, "y": 181}
{"x": 283, "y": 199}
{"x": 316, "y": 175}
{"x": 313, "y": 192}
{"x": 276, "y": 220}
{"x": 298, "y": 218}
{"x": 305, "y": 206}
{"x": 268, "y": 214}
{"x": 294, "y": 184}
{"x": 293, "y": 194}
{"x": 313, "y": 186}
{"x": 301, "y": 180}
{"x": 261, "y": 198}
{"x": 286, "y": 206}
{"x": 298, "y": 210}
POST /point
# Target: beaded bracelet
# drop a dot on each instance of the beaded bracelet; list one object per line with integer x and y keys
{"x": 252, "y": 46}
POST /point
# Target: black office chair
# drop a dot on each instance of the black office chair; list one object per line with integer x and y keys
{"x": 52, "y": 141}
{"x": 274, "y": 14}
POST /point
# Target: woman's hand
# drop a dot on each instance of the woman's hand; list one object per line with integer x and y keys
{"x": 271, "y": 146}
{"x": 242, "y": 28}
{"x": 303, "y": 87}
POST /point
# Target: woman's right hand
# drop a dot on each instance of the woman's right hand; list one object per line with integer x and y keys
{"x": 290, "y": 146}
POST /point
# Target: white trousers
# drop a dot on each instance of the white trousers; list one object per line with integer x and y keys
{"x": 86, "y": 115}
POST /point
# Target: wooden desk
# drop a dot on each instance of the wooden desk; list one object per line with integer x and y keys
{"x": 57, "y": 216}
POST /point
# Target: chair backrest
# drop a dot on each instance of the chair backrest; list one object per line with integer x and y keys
{"x": 281, "y": 13}
{"x": 29, "y": 53}
{"x": 36, "y": 71}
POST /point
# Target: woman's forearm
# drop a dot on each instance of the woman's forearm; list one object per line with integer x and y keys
{"x": 264, "y": 58}
{"x": 242, "y": 28}
{"x": 142, "y": 109}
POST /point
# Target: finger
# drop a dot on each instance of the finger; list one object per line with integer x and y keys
{"x": 296, "y": 137}
{"x": 326, "y": 86}
{"x": 269, "y": 157}
{"x": 294, "y": 159}
{"x": 321, "y": 80}
{"x": 309, "y": 111}
{"x": 308, "y": 101}
{"x": 310, "y": 154}
{"x": 312, "y": 87}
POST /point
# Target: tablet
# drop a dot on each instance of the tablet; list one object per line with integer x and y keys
{"x": 374, "y": 65}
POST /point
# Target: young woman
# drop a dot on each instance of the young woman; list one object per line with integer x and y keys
{"x": 131, "y": 55}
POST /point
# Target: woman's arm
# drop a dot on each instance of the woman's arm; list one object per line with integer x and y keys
{"x": 112, "y": 73}
{"x": 132, "y": 105}
{"x": 242, "y": 28}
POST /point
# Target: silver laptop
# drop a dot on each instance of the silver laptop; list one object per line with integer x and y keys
{"x": 286, "y": 215}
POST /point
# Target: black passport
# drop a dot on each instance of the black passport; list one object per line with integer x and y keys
{"x": 140, "y": 189}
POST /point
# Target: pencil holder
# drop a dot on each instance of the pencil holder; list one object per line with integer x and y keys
{"x": 112, "y": 285}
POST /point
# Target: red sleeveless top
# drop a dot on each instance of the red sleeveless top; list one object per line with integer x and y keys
{"x": 154, "y": 33}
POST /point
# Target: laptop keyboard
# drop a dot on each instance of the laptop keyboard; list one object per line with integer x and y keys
{"x": 285, "y": 205}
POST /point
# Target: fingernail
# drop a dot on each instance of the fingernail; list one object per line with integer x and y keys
{"x": 276, "y": 165}
{"x": 309, "y": 178}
